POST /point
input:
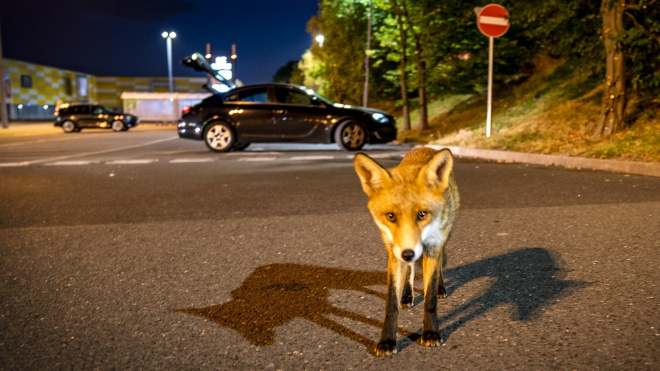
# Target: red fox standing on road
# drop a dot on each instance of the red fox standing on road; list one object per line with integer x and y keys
{"x": 414, "y": 205}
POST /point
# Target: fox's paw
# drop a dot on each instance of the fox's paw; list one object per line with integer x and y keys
{"x": 430, "y": 339}
{"x": 442, "y": 293}
{"x": 386, "y": 348}
{"x": 406, "y": 301}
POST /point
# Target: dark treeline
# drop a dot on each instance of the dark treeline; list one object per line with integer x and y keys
{"x": 431, "y": 48}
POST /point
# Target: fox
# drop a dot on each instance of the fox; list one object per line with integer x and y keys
{"x": 414, "y": 205}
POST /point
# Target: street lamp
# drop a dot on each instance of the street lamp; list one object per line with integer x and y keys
{"x": 169, "y": 36}
{"x": 320, "y": 39}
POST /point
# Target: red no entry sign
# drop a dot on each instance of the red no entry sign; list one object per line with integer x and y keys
{"x": 493, "y": 20}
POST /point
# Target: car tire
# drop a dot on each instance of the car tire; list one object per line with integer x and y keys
{"x": 219, "y": 137}
{"x": 241, "y": 146}
{"x": 70, "y": 127}
{"x": 118, "y": 125}
{"x": 350, "y": 136}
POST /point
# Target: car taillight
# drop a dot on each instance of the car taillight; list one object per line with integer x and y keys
{"x": 185, "y": 110}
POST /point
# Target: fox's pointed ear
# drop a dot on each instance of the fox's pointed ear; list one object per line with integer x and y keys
{"x": 373, "y": 176}
{"x": 435, "y": 174}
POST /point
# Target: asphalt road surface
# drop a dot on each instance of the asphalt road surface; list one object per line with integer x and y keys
{"x": 138, "y": 250}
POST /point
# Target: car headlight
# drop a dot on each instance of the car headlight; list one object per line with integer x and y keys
{"x": 379, "y": 117}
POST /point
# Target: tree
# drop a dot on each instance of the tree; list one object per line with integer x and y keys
{"x": 618, "y": 37}
{"x": 419, "y": 30}
{"x": 393, "y": 39}
{"x": 614, "y": 99}
{"x": 287, "y": 72}
{"x": 344, "y": 26}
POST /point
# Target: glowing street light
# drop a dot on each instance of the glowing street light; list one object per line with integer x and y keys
{"x": 169, "y": 36}
{"x": 320, "y": 39}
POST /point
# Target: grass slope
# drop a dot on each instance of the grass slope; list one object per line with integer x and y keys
{"x": 553, "y": 112}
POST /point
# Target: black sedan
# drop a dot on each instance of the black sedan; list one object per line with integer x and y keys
{"x": 282, "y": 113}
{"x": 73, "y": 117}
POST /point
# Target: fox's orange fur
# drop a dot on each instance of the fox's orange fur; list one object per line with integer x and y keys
{"x": 414, "y": 205}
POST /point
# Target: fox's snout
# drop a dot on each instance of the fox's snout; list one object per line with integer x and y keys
{"x": 407, "y": 255}
{"x": 406, "y": 246}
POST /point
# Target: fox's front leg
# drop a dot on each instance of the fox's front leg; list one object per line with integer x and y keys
{"x": 395, "y": 277}
{"x": 407, "y": 296}
{"x": 442, "y": 292}
{"x": 430, "y": 333}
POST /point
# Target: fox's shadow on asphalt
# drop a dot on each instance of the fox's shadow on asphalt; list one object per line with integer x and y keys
{"x": 528, "y": 280}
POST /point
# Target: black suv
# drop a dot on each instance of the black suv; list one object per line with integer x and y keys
{"x": 73, "y": 117}
{"x": 282, "y": 113}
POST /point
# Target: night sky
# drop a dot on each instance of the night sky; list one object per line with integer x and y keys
{"x": 122, "y": 37}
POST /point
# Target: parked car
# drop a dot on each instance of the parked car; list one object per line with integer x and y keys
{"x": 73, "y": 117}
{"x": 282, "y": 113}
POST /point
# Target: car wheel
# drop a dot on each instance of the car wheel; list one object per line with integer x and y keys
{"x": 219, "y": 137}
{"x": 350, "y": 136}
{"x": 241, "y": 146}
{"x": 118, "y": 125}
{"x": 69, "y": 127}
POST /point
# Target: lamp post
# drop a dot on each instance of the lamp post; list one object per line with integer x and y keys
{"x": 169, "y": 36}
{"x": 3, "y": 93}
{"x": 233, "y": 62}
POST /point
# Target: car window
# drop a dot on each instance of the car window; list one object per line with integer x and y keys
{"x": 97, "y": 110}
{"x": 80, "y": 109}
{"x": 289, "y": 96}
{"x": 259, "y": 95}
{"x": 212, "y": 101}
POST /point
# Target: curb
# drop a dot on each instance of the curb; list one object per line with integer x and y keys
{"x": 630, "y": 167}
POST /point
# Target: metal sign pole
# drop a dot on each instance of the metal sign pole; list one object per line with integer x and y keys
{"x": 490, "y": 85}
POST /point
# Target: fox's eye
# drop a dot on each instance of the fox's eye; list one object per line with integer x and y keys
{"x": 391, "y": 217}
{"x": 422, "y": 215}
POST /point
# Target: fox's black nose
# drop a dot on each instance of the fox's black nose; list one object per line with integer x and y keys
{"x": 407, "y": 255}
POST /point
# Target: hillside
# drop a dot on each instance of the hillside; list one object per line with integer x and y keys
{"x": 552, "y": 111}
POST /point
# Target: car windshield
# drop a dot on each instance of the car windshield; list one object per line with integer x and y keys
{"x": 316, "y": 95}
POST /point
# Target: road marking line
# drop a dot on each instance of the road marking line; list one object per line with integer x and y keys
{"x": 303, "y": 158}
{"x": 186, "y": 160}
{"x": 58, "y": 138}
{"x": 130, "y": 162}
{"x": 257, "y": 159}
{"x": 380, "y": 155}
{"x": 68, "y": 163}
{"x": 13, "y": 164}
{"x": 32, "y": 142}
{"x": 174, "y": 152}
{"x": 99, "y": 152}
{"x": 258, "y": 153}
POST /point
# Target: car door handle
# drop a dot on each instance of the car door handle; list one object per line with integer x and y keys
{"x": 280, "y": 111}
